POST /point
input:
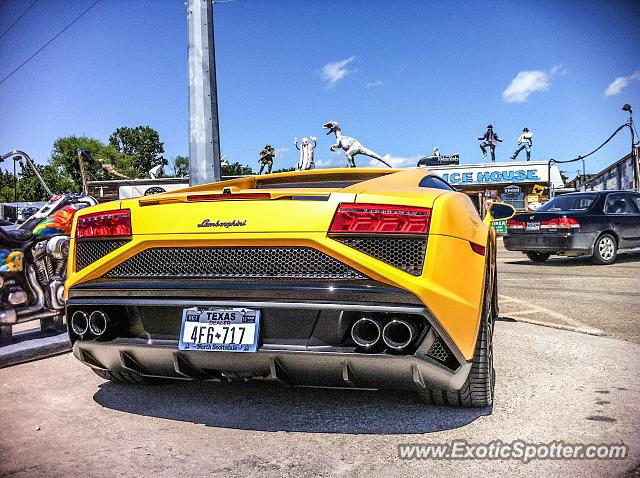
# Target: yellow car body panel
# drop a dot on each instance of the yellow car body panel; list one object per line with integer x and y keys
{"x": 451, "y": 285}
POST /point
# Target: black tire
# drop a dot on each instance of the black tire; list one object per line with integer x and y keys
{"x": 122, "y": 377}
{"x": 538, "y": 256}
{"x": 605, "y": 250}
{"x": 477, "y": 390}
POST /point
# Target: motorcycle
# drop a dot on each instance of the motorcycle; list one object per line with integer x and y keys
{"x": 33, "y": 257}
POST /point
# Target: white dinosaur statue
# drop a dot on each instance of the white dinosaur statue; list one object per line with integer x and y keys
{"x": 351, "y": 146}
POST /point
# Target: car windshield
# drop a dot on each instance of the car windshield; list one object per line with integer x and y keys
{"x": 572, "y": 202}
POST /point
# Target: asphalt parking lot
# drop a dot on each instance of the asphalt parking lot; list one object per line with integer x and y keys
{"x": 573, "y": 379}
{"x": 572, "y": 293}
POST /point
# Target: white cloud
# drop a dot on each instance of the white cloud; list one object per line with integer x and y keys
{"x": 620, "y": 83}
{"x": 336, "y": 71}
{"x": 281, "y": 152}
{"x": 527, "y": 82}
{"x": 395, "y": 161}
{"x": 375, "y": 84}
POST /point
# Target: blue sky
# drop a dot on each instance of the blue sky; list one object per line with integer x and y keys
{"x": 401, "y": 76}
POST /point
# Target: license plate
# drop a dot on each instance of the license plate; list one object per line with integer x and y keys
{"x": 219, "y": 329}
{"x": 533, "y": 226}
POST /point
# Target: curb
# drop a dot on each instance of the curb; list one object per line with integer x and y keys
{"x": 33, "y": 346}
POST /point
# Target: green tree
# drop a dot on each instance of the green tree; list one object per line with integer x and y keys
{"x": 143, "y": 144}
{"x": 6, "y": 186}
{"x": 180, "y": 166}
{"x": 65, "y": 158}
{"x": 284, "y": 170}
{"x": 236, "y": 169}
{"x": 30, "y": 189}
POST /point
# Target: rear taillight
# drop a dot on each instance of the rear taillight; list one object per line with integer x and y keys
{"x": 513, "y": 224}
{"x": 380, "y": 219}
{"x": 477, "y": 248}
{"x": 560, "y": 223}
{"x": 104, "y": 224}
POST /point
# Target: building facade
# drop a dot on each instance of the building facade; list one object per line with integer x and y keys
{"x": 520, "y": 184}
{"x": 619, "y": 175}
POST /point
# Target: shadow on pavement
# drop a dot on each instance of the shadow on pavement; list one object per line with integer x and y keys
{"x": 264, "y": 406}
{"x": 575, "y": 261}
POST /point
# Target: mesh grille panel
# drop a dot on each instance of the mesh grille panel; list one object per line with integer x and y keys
{"x": 438, "y": 351}
{"x": 237, "y": 262}
{"x": 88, "y": 252}
{"x": 405, "y": 254}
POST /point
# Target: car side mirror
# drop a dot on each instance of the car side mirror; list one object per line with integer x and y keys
{"x": 500, "y": 211}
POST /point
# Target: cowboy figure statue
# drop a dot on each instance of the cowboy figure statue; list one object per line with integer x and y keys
{"x": 525, "y": 141}
{"x": 267, "y": 155}
{"x": 489, "y": 139}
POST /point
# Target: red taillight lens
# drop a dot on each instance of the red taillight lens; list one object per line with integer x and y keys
{"x": 381, "y": 219}
{"x": 477, "y": 248}
{"x": 568, "y": 223}
{"x": 513, "y": 224}
{"x": 560, "y": 223}
{"x": 104, "y": 224}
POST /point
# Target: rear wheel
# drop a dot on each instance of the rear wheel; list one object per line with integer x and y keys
{"x": 605, "y": 250}
{"x": 122, "y": 377}
{"x": 538, "y": 256}
{"x": 477, "y": 390}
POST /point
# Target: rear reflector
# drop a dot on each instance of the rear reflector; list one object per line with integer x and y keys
{"x": 228, "y": 197}
{"x": 512, "y": 224}
{"x": 560, "y": 223}
{"x": 477, "y": 248}
{"x": 104, "y": 224}
{"x": 380, "y": 219}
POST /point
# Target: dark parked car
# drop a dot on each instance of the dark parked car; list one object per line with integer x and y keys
{"x": 600, "y": 224}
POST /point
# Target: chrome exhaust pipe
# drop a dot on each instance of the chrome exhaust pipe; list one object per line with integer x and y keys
{"x": 98, "y": 322}
{"x": 398, "y": 334}
{"x": 80, "y": 322}
{"x": 366, "y": 332}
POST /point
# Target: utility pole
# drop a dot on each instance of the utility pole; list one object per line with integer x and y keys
{"x": 204, "y": 132}
{"x": 634, "y": 148}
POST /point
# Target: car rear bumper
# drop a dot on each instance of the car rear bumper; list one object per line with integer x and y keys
{"x": 290, "y": 367}
{"x": 304, "y": 341}
{"x": 575, "y": 242}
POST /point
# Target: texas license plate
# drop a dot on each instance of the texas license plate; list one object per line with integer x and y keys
{"x": 533, "y": 226}
{"x": 219, "y": 329}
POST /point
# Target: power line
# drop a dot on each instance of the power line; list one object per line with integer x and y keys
{"x": 579, "y": 158}
{"x": 49, "y": 42}
{"x": 18, "y": 19}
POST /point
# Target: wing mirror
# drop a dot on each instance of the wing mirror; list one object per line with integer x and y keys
{"x": 500, "y": 211}
{"x": 497, "y": 215}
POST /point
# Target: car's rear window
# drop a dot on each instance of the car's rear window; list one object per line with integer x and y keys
{"x": 570, "y": 202}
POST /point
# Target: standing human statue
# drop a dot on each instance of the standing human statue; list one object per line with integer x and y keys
{"x": 490, "y": 139}
{"x": 306, "y": 153}
{"x": 267, "y": 155}
{"x": 525, "y": 141}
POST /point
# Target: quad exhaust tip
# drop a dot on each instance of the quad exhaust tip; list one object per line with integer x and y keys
{"x": 98, "y": 322}
{"x": 80, "y": 322}
{"x": 398, "y": 334}
{"x": 366, "y": 332}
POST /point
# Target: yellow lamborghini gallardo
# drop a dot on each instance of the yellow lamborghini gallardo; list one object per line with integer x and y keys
{"x": 368, "y": 278}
